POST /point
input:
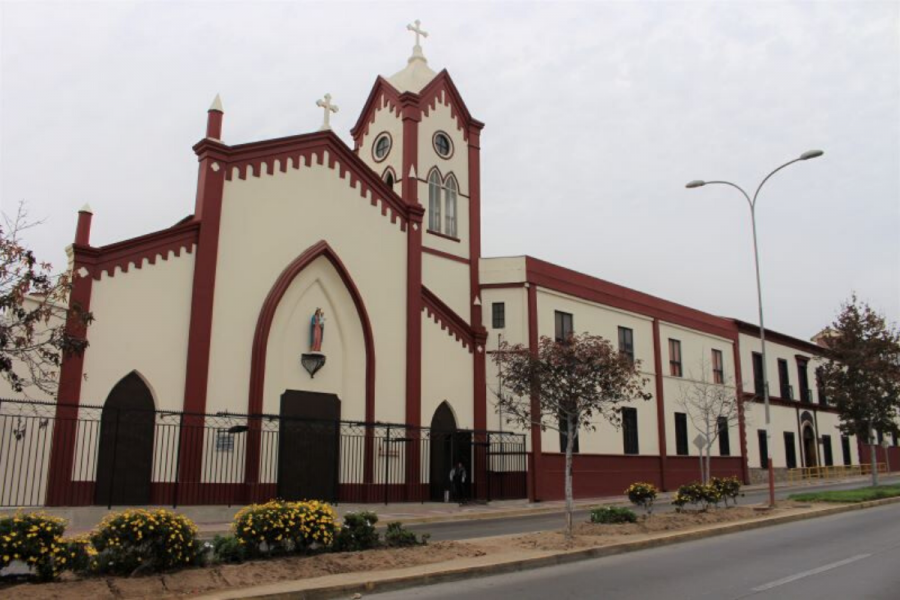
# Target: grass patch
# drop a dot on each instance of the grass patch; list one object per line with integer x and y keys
{"x": 857, "y": 495}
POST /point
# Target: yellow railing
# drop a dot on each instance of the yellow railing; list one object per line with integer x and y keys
{"x": 835, "y": 472}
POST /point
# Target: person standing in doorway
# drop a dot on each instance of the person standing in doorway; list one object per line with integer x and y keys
{"x": 458, "y": 483}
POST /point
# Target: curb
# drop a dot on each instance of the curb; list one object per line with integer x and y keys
{"x": 559, "y": 558}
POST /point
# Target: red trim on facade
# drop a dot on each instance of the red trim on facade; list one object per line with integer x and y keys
{"x": 383, "y": 94}
{"x": 742, "y": 422}
{"x": 535, "y": 490}
{"x": 779, "y": 338}
{"x": 443, "y": 235}
{"x": 83, "y": 229}
{"x": 214, "y": 124}
{"x": 778, "y": 401}
{"x": 446, "y": 255}
{"x": 500, "y": 286}
{"x": 444, "y": 316}
{"x": 476, "y": 318}
{"x": 660, "y": 405}
{"x": 597, "y": 290}
{"x": 261, "y": 339}
{"x": 431, "y": 94}
{"x": 256, "y": 158}
{"x": 151, "y": 246}
{"x": 207, "y": 216}
{"x": 71, "y": 374}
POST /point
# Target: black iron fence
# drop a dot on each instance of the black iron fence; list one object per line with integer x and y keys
{"x": 72, "y": 456}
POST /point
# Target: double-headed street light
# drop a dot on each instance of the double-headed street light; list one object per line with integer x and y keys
{"x": 762, "y": 330}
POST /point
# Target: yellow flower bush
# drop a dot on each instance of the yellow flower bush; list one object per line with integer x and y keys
{"x": 36, "y": 540}
{"x": 278, "y": 527}
{"x": 642, "y": 494}
{"x": 144, "y": 540}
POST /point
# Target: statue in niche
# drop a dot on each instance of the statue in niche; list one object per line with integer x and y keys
{"x": 316, "y": 330}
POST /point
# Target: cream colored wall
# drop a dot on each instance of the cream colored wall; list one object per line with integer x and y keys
{"x": 774, "y": 351}
{"x": 515, "y": 332}
{"x": 141, "y": 324}
{"x": 696, "y": 361}
{"x": 266, "y": 223}
{"x": 603, "y": 320}
{"x": 506, "y": 269}
{"x": 386, "y": 120}
{"x": 447, "y": 375}
{"x": 450, "y": 281}
{"x": 21, "y": 369}
{"x": 317, "y": 286}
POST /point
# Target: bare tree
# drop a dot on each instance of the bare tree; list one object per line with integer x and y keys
{"x": 709, "y": 407}
{"x": 36, "y": 324}
{"x": 566, "y": 386}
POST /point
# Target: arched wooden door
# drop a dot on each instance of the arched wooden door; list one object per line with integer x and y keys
{"x": 125, "y": 460}
{"x": 448, "y": 446}
{"x": 809, "y": 446}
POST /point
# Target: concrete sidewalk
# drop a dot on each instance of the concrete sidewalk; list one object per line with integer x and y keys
{"x": 212, "y": 520}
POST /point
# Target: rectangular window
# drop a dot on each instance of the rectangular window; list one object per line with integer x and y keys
{"x": 564, "y": 326}
{"x": 675, "y": 358}
{"x": 498, "y": 315}
{"x": 718, "y": 366}
{"x": 630, "y": 430}
{"x": 224, "y": 441}
{"x": 823, "y": 400}
{"x": 826, "y": 451}
{"x": 763, "y": 448}
{"x": 845, "y": 450}
{"x": 563, "y": 437}
{"x": 784, "y": 380}
{"x": 758, "y": 375}
{"x": 724, "y": 441}
{"x": 790, "y": 450}
{"x": 626, "y": 342}
{"x": 803, "y": 381}
{"x": 681, "y": 441}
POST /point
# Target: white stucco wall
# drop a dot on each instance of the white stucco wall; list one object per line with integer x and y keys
{"x": 267, "y": 222}
{"x": 386, "y": 121}
{"x": 449, "y": 280}
{"x": 141, "y": 324}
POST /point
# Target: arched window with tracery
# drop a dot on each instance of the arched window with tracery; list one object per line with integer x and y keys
{"x": 434, "y": 201}
{"x": 450, "y": 190}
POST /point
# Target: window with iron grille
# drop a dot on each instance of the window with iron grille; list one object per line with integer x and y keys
{"x": 630, "y": 430}
{"x": 681, "y": 434}
{"x": 724, "y": 441}
{"x": 498, "y": 315}
{"x": 803, "y": 380}
{"x": 564, "y": 326}
{"x": 675, "y": 358}
{"x": 790, "y": 450}
{"x": 718, "y": 367}
{"x": 224, "y": 441}
{"x": 784, "y": 379}
{"x": 626, "y": 342}
{"x": 758, "y": 375}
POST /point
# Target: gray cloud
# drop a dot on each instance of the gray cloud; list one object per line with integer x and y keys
{"x": 597, "y": 114}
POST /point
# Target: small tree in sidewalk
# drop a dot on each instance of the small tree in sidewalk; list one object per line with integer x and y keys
{"x": 861, "y": 374}
{"x": 566, "y": 386}
{"x": 709, "y": 407}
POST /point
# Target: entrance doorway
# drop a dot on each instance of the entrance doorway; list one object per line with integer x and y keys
{"x": 809, "y": 446}
{"x": 308, "y": 446}
{"x": 447, "y": 447}
{"x": 125, "y": 459}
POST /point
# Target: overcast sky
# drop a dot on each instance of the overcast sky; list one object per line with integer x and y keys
{"x": 597, "y": 114}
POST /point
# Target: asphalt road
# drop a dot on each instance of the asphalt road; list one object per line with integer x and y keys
{"x": 464, "y": 530}
{"x": 851, "y": 556}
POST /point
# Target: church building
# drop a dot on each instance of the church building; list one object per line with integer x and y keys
{"x": 322, "y": 325}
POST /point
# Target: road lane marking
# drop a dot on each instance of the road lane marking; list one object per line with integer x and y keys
{"x": 816, "y": 571}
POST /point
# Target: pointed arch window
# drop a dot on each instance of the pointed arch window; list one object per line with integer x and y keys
{"x": 450, "y": 206}
{"x": 389, "y": 178}
{"x": 434, "y": 201}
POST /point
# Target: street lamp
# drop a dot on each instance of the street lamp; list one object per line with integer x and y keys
{"x": 762, "y": 330}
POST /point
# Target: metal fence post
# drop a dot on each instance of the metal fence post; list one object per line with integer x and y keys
{"x": 112, "y": 475}
{"x": 387, "y": 457}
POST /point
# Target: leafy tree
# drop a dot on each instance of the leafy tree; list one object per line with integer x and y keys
{"x": 861, "y": 373}
{"x": 34, "y": 313}
{"x": 566, "y": 386}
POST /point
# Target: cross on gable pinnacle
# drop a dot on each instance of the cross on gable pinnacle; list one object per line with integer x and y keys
{"x": 417, "y": 29}
{"x": 328, "y": 109}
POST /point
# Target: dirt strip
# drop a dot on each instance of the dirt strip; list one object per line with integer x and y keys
{"x": 334, "y": 575}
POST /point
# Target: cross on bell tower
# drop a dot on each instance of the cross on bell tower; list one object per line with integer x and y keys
{"x": 416, "y": 27}
{"x": 328, "y": 109}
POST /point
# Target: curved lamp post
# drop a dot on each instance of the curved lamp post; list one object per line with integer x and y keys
{"x": 762, "y": 330}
